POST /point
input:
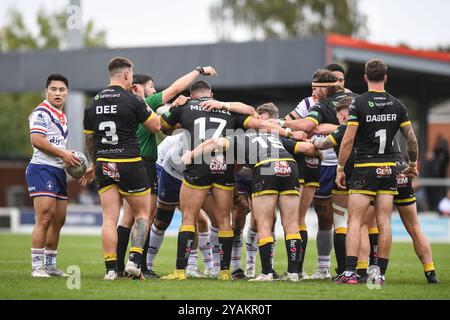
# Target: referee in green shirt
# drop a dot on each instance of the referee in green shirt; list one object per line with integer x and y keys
{"x": 143, "y": 86}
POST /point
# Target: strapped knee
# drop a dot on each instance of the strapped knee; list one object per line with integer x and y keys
{"x": 340, "y": 221}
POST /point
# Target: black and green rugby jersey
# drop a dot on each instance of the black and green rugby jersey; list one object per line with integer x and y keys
{"x": 146, "y": 139}
{"x": 378, "y": 116}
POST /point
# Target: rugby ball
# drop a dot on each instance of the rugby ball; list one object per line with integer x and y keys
{"x": 78, "y": 171}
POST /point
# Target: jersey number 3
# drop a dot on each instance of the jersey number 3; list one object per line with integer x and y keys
{"x": 110, "y": 132}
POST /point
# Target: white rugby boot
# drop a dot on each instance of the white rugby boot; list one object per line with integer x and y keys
{"x": 110, "y": 275}
{"x": 194, "y": 272}
{"x": 323, "y": 274}
{"x": 54, "y": 271}
{"x": 263, "y": 277}
{"x": 132, "y": 269}
{"x": 39, "y": 272}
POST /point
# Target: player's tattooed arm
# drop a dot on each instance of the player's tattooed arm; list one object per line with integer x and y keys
{"x": 89, "y": 141}
{"x": 411, "y": 142}
{"x": 139, "y": 232}
{"x": 413, "y": 150}
{"x": 323, "y": 143}
{"x": 88, "y": 177}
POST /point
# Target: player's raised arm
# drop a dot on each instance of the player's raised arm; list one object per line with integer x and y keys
{"x": 183, "y": 82}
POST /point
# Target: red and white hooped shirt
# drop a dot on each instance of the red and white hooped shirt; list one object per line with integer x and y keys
{"x": 52, "y": 123}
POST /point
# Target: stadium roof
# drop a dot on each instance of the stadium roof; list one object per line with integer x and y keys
{"x": 244, "y": 65}
{"x": 349, "y": 49}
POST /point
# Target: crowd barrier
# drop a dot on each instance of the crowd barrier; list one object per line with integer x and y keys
{"x": 87, "y": 219}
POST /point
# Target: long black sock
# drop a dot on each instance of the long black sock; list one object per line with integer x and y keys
{"x": 144, "y": 254}
{"x": 339, "y": 250}
{"x": 382, "y": 264}
{"x": 373, "y": 239}
{"x": 265, "y": 253}
{"x": 123, "y": 236}
{"x": 350, "y": 263}
{"x": 304, "y": 235}
{"x": 226, "y": 246}
{"x": 294, "y": 251}
{"x": 186, "y": 237}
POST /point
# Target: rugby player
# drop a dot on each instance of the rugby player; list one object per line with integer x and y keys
{"x": 340, "y": 209}
{"x": 328, "y": 91}
{"x": 405, "y": 202}
{"x": 242, "y": 207}
{"x": 110, "y": 124}
{"x": 170, "y": 174}
{"x": 204, "y": 118}
{"x": 144, "y": 86}
{"x": 45, "y": 175}
{"x": 274, "y": 181}
{"x": 374, "y": 120}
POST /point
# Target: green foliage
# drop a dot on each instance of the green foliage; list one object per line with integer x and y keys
{"x": 14, "y": 112}
{"x": 52, "y": 32}
{"x": 92, "y": 38}
{"x": 291, "y": 18}
{"x": 405, "y": 279}
{"x": 15, "y": 36}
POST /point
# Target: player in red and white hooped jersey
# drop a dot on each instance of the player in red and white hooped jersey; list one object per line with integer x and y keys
{"x": 52, "y": 123}
{"x": 45, "y": 175}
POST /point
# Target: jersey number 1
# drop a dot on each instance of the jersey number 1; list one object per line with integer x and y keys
{"x": 382, "y": 135}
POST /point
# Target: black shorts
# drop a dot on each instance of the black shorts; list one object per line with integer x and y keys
{"x": 130, "y": 177}
{"x": 406, "y": 195}
{"x": 308, "y": 170}
{"x": 275, "y": 177}
{"x": 150, "y": 166}
{"x": 373, "y": 180}
{"x": 348, "y": 170}
{"x": 205, "y": 176}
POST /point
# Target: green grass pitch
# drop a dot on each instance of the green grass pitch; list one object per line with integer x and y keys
{"x": 405, "y": 279}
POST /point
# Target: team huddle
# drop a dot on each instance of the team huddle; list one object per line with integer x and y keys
{"x": 221, "y": 161}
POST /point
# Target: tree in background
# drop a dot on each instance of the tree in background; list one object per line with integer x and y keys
{"x": 52, "y": 32}
{"x": 16, "y": 36}
{"x": 289, "y": 18}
